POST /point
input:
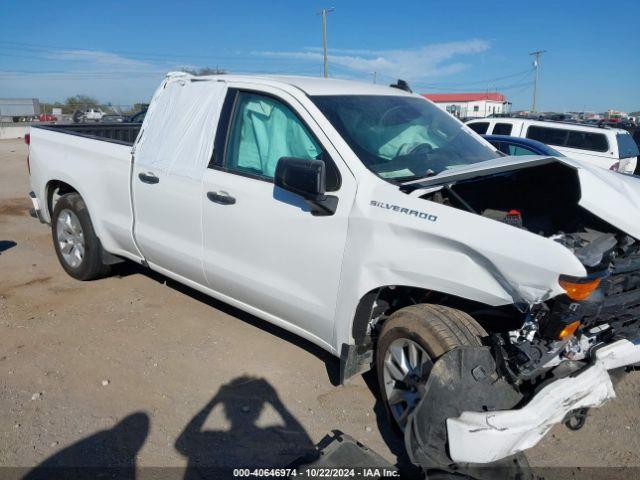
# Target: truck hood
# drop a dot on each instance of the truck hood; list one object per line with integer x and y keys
{"x": 613, "y": 197}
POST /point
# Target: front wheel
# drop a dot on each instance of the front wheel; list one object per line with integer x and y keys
{"x": 77, "y": 246}
{"x": 410, "y": 341}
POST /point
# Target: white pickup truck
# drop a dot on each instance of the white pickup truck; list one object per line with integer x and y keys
{"x": 491, "y": 293}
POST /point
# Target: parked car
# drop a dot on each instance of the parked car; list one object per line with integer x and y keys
{"x": 112, "y": 118}
{"x": 561, "y": 117}
{"x": 374, "y": 224}
{"x": 520, "y": 146}
{"x": 608, "y": 148}
{"x": 47, "y": 117}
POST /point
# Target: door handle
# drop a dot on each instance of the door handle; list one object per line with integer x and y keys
{"x": 221, "y": 197}
{"x": 148, "y": 178}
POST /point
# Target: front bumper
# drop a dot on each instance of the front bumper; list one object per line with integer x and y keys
{"x": 484, "y": 437}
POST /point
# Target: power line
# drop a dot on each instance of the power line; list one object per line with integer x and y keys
{"x": 484, "y": 81}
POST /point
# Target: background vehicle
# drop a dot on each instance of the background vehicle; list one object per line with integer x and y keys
{"x": 608, "y": 148}
{"x": 138, "y": 117}
{"x": 47, "y": 117}
{"x": 112, "y": 118}
{"x": 520, "y": 146}
{"x": 372, "y": 223}
{"x": 93, "y": 115}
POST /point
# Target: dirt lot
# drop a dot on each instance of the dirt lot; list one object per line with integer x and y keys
{"x": 134, "y": 367}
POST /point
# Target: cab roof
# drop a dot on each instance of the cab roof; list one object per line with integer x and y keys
{"x": 310, "y": 85}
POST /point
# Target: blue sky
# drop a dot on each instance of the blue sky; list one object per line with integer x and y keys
{"x": 117, "y": 51}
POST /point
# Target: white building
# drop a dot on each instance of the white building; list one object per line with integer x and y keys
{"x": 471, "y": 105}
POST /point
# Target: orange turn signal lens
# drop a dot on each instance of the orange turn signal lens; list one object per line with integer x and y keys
{"x": 569, "y": 330}
{"x": 578, "y": 289}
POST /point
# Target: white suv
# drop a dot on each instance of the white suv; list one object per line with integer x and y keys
{"x": 610, "y": 148}
{"x": 93, "y": 114}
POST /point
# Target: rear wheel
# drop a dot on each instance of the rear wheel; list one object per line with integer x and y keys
{"x": 410, "y": 341}
{"x": 77, "y": 246}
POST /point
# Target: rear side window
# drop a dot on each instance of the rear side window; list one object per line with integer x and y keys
{"x": 479, "y": 127}
{"x": 627, "y": 146}
{"x": 502, "y": 129}
{"x": 550, "y": 136}
{"x": 596, "y": 142}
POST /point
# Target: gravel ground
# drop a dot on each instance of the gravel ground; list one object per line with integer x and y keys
{"x": 137, "y": 367}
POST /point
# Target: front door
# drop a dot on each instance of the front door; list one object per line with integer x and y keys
{"x": 262, "y": 245}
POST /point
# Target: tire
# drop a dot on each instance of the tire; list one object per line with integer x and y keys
{"x": 78, "y": 248}
{"x": 429, "y": 330}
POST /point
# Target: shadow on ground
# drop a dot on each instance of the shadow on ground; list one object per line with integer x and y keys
{"x": 390, "y": 435}
{"x": 109, "y": 453}
{"x": 210, "y": 453}
{"x": 6, "y": 245}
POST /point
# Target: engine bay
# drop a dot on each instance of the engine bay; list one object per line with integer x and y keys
{"x": 544, "y": 199}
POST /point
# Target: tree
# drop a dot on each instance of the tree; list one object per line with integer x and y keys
{"x": 204, "y": 71}
{"x": 79, "y": 102}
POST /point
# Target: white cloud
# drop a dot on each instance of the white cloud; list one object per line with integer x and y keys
{"x": 411, "y": 64}
{"x": 97, "y": 58}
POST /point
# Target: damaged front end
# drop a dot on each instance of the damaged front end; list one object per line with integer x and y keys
{"x": 596, "y": 310}
{"x": 552, "y": 356}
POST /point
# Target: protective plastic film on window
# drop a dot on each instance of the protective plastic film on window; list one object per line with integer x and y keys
{"x": 179, "y": 128}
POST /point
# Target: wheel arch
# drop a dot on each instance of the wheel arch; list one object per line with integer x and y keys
{"x": 59, "y": 188}
{"x": 375, "y": 306}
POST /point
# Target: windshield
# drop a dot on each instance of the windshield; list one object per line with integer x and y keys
{"x": 403, "y": 138}
{"x": 627, "y": 146}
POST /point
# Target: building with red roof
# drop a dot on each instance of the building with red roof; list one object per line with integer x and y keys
{"x": 471, "y": 105}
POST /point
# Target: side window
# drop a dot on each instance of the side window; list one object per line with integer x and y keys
{"x": 263, "y": 130}
{"x": 550, "y": 136}
{"x": 596, "y": 142}
{"x": 502, "y": 147}
{"x": 479, "y": 127}
{"x": 520, "y": 150}
{"x": 502, "y": 129}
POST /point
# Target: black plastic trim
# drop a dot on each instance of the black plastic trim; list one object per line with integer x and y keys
{"x": 222, "y": 133}
{"x": 67, "y": 129}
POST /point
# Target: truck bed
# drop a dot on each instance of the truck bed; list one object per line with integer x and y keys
{"x": 122, "y": 133}
{"x": 94, "y": 160}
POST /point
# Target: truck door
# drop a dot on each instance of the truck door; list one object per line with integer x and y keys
{"x": 262, "y": 245}
{"x": 170, "y": 157}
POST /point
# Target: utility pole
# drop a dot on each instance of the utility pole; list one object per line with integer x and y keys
{"x": 324, "y": 12}
{"x": 536, "y": 66}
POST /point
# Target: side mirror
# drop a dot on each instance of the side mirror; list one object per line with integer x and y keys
{"x": 303, "y": 177}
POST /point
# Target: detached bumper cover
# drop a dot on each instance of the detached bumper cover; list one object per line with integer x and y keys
{"x": 484, "y": 437}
